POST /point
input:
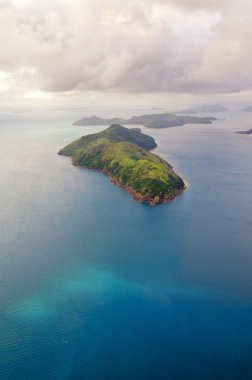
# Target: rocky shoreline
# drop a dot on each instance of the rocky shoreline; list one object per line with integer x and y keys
{"x": 147, "y": 199}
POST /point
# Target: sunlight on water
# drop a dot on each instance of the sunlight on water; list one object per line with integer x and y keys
{"x": 93, "y": 285}
{"x": 90, "y": 281}
{"x": 33, "y": 309}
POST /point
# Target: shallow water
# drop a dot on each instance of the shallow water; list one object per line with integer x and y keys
{"x": 97, "y": 286}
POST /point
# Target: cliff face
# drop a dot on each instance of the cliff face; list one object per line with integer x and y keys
{"x": 123, "y": 154}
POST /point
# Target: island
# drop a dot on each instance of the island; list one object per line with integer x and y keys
{"x": 247, "y": 109}
{"x": 249, "y": 132}
{"x": 205, "y": 108}
{"x": 124, "y": 155}
{"x": 136, "y": 129}
{"x": 177, "y": 121}
{"x": 163, "y": 120}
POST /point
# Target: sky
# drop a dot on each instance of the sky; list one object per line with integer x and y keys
{"x": 77, "y": 53}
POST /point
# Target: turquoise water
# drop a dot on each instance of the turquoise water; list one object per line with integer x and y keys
{"x": 96, "y": 286}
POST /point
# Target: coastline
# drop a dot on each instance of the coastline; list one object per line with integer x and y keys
{"x": 146, "y": 199}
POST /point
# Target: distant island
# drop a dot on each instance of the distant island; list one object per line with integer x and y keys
{"x": 247, "y": 109}
{"x": 249, "y": 132}
{"x": 163, "y": 120}
{"x": 206, "y": 108}
{"x": 123, "y": 154}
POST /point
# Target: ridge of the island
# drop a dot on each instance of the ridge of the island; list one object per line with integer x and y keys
{"x": 124, "y": 155}
{"x": 162, "y": 120}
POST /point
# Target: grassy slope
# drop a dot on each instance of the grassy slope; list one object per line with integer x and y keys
{"x": 122, "y": 154}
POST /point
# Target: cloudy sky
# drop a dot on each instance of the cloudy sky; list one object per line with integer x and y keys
{"x": 79, "y": 50}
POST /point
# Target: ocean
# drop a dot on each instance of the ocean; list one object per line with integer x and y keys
{"x": 97, "y": 286}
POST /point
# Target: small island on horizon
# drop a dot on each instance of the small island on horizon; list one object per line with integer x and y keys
{"x": 249, "y": 132}
{"x": 124, "y": 155}
{"x": 162, "y": 120}
{"x": 205, "y": 108}
{"x": 247, "y": 109}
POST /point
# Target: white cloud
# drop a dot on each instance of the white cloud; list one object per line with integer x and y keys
{"x": 151, "y": 45}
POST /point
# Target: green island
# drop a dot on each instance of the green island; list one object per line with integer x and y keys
{"x": 249, "y": 132}
{"x": 162, "y": 120}
{"x": 124, "y": 155}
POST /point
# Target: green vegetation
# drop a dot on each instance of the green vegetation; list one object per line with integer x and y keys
{"x": 163, "y": 120}
{"x": 124, "y": 155}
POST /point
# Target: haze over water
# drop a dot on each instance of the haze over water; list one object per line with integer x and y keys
{"x": 97, "y": 286}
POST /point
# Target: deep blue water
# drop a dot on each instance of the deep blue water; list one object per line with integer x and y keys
{"x": 96, "y": 286}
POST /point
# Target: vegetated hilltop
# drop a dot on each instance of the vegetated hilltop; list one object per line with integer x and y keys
{"x": 163, "y": 120}
{"x": 123, "y": 155}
